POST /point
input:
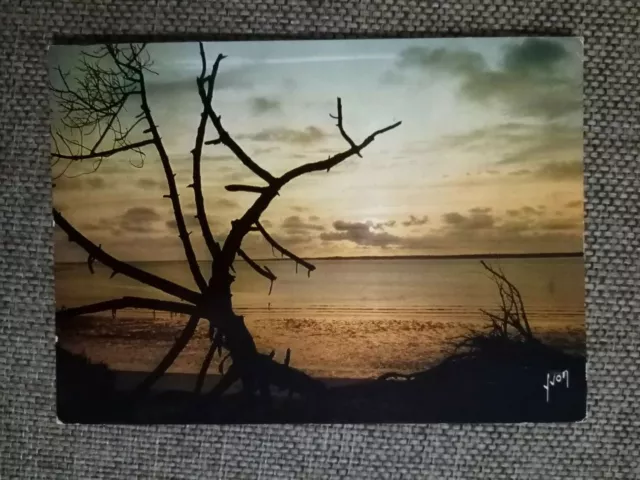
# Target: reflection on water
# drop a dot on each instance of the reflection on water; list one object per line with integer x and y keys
{"x": 351, "y": 318}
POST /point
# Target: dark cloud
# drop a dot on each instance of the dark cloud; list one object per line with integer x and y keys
{"x": 266, "y": 223}
{"x": 526, "y": 211}
{"x": 304, "y": 136}
{"x": 140, "y": 214}
{"x": 534, "y": 55}
{"x": 360, "y": 233}
{"x": 314, "y": 218}
{"x": 520, "y": 173}
{"x": 560, "y": 171}
{"x": 134, "y": 220}
{"x": 561, "y": 224}
{"x": 536, "y": 77}
{"x": 415, "y": 221}
{"x": 138, "y": 220}
{"x": 299, "y": 209}
{"x": 476, "y": 219}
{"x": 260, "y": 105}
{"x": 295, "y": 224}
{"x": 382, "y": 225}
{"x": 478, "y": 229}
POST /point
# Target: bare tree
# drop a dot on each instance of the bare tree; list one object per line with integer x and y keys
{"x": 91, "y": 108}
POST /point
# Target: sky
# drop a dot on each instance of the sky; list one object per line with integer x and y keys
{"x": 488, "y": 158}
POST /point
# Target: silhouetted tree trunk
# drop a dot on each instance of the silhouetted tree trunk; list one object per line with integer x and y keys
{"x": 113, "y": 76}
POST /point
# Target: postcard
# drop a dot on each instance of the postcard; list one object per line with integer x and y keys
{"x": 319, "y": 231}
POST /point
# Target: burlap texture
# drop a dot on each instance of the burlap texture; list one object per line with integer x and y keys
{"x": 34, "y": 445}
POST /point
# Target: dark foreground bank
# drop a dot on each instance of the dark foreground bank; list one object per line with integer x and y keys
{"x": 498, "y": 382}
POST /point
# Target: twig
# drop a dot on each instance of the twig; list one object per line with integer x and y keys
{"x": 283, "y": 250}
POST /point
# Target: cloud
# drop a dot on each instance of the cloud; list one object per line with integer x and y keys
{"x": 462, "y": 62}
{"x": 314, "y": 218}
{"x": 477, "y": 219}
{"x": 415, "y": 221}
{"x": 304, "y": 136}
{"x": 560, "y": 224}
{"x": 225, "y": 203}
{"x": 138, "y": 220}
{"x": 536, "y": 77}
{"x": 179, "y": 82}
{"x": 86, "y": 182}
{"x": 526, "y": 211}
{"x": 151, "y": 183}
{"x": 133, "y": 220}
{"x": 525, "y": 151}
{"x": 295, "y": 224}
{"x": 560, "y": 171}
{"x": 382, "y": 225}
{"x": 544, "y": 144}
{"x": 534, "y": 55}
{"x": 574, "y": 204}
{"x": 360, "y": 233}
{"x": 260, "y": 105}
{"x": 140, "y": 214}
{"x": 190, "y": 222}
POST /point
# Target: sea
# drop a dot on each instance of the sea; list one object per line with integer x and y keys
{"x": 350, "y": 318}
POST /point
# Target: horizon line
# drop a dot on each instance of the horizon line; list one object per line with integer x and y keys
{"x": 383, "y": 257}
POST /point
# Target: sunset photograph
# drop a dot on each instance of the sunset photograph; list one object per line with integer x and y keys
{"x": 319, "y": 231}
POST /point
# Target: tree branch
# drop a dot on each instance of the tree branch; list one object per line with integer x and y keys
{"x": 223, "y": 135}
{"x": 334, "y": 160}
{"x": 122, "y": 267}
{"x": 106, "y": 153}
{"x": 264, "y": 271}
{"x": 170, "y": 357}
{"x": 201, "y": 214}
{"x": 244, "y": 188}
{"x": 283, "y": 250}
{"x": 173, "y": 191}
{"x": 341, "y": 128}
{"x": 126, "y": 302}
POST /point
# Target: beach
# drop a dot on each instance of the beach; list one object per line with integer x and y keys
{"x": 350, "y": 319}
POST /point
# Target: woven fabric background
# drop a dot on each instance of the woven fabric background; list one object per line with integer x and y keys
{"x": 34, "y": 445}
